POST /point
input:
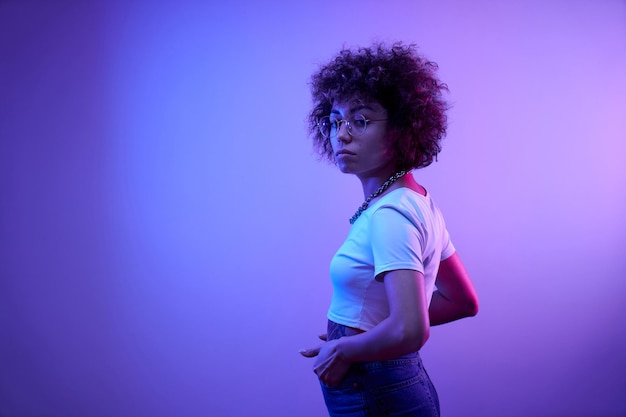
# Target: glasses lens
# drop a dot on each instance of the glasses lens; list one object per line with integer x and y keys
{"x": 359, "y": 124}
{"x": 324, "y": 126}
{"x": 335, "y": 125}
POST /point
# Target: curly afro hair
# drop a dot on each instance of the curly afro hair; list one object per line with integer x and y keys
{"x": 398, "y": 78}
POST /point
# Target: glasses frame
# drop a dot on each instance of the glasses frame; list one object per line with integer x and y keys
{"x": 348, "y": 124}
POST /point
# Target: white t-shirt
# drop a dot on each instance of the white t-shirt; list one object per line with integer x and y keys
{"x": 402, "y": 230}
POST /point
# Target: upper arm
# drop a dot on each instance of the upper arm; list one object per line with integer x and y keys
{"x": 405, "y": 330}
{"x": 408, "y": 305}
{"x": 454, "y": 283}
{"x": 397, "y": 253}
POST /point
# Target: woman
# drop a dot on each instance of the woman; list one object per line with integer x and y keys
{"x": 379, "y": 114}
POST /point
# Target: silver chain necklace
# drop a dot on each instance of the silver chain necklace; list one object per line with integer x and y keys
{"x": 395, "y": 177}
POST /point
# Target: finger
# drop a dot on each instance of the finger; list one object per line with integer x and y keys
{"x": 323, "y": 336}
{"x": 309, "y": 353}
{"x": 327, "y": 379}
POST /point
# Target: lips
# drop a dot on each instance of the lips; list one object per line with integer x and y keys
{"x": 344, "y": 152}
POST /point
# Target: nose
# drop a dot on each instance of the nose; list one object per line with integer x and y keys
{"x": 343, "y": 134}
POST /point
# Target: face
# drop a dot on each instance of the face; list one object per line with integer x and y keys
{"x": 367, "y": 155}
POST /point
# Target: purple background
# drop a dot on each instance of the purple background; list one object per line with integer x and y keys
{"x": 166, "y": 229}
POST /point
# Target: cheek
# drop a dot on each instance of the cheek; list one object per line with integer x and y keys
{"x": 389, "y": 148}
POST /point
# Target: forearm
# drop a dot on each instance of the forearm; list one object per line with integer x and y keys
{"x": 455, "y": 296}
{"x": 387, "y": 340}
{"x": 443, "y": 310}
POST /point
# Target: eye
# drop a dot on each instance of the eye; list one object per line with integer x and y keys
{"x": 324, "y": 126}
{"x": 359, "y": 121}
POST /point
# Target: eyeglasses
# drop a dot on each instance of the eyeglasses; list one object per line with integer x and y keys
{"x": 356, "y": 125}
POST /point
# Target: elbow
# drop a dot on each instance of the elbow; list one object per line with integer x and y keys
{"x": 414, "y": 338}
{"x": 471, "y": 307}
{"x": 423, "y": 337}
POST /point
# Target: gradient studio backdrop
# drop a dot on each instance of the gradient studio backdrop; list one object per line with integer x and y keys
{"x": 166, "y": 230}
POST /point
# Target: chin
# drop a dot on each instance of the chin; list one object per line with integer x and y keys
{"x": 344, "y": 169}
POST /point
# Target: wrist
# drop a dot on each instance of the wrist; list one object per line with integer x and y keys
{"x": 342, "y": 349}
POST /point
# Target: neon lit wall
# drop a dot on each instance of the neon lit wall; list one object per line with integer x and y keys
{"x": 165, "y": 229}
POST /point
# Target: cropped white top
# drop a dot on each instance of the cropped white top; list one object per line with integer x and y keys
{"x": 402, "y": 230}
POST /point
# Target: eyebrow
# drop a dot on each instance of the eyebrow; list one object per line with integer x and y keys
{"x": 355, "y": 109}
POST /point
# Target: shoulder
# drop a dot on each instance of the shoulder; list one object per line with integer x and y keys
{"x": 403, "y": 202}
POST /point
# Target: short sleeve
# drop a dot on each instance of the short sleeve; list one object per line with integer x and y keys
{"x": 448, "y": 248}
{"x": 396, "y": 241}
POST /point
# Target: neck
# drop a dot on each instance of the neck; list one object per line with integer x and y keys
{"x": 371, "y": 184}
{"x": 389, "y": 184}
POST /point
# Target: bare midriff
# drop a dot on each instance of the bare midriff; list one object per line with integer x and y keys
{"x": 336, "y": 330}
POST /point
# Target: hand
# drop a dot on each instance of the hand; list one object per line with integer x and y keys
{"x": 329, "y": 366}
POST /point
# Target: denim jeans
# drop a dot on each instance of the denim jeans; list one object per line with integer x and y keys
{"x": 395, "y": 387}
